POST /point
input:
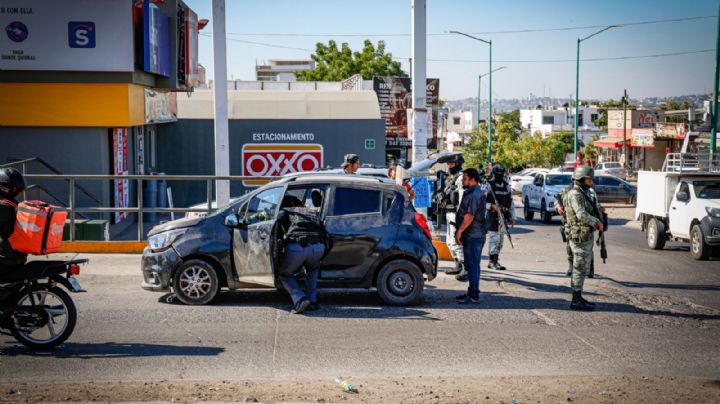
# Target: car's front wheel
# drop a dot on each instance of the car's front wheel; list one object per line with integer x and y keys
{"x": 545, "y": 216}
{"x": 195, "y": 282}
{"x": 400, "y": 283}
{"x": 529, "y": 214}
{"x": 698, "y": 247}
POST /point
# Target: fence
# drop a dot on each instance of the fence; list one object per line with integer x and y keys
{"x": 73, "y": 180}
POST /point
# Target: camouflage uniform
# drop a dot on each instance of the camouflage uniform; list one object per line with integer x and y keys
{"x": 580, "y": 225}
{"x": 559, "y": 200}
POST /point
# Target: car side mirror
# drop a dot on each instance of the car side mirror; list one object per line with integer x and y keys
{"x": 683, "y": 196}
{"x": 232, "y": 221}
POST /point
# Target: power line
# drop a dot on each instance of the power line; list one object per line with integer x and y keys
{"x": 517, "y": 31}
{"x": 657, "y": 55}
{"x": 269, "y": 45}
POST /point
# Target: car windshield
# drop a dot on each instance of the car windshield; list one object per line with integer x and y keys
{"x": 612, "y": 165}
{"x": 707, "y": 189}
{"x": 557, "y": 180}
{"x": 227, "y": 209}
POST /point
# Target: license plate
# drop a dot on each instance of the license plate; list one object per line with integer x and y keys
{"x": 75, "y": 285}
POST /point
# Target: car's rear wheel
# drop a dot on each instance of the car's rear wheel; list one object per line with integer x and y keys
{"x": 656, "y": 234}
{"x": 698, "y": 247}
{"x": 195, "y": 282}
{"x": 400, "y": 283}
{"x": 545, "y": 216}
{"x": 529, "y": 214}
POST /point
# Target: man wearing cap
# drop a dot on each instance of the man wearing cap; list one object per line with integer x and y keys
{"x": 351, "y": 163}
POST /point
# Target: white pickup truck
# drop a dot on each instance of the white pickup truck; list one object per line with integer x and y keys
{"x": 682, "y": 203}
{"x": 539, "y": 196}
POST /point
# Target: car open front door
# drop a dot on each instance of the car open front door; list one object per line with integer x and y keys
{"x": 252, "y": 246}
{"x": 679, "y": 211}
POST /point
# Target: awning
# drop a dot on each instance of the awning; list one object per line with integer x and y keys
{"x": 611, "y": 143}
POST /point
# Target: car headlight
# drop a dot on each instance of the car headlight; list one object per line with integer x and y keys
{"x": 163, "y": 240}
{"x": 714, "y": 212}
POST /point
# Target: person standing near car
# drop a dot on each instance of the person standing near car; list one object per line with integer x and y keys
{"x": 471, "y": 231}
{"x": 303, "y": 243}
{"x": 392, "y": 174}
{"x": 451, "y": 196}
{"x": 581, "y": 224}
{"x": 351, "y": 164}
{"x": 505, "y": 205}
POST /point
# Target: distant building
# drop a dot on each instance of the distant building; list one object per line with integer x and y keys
{"x": 547, "y": 120}
{"x": 282, "y": 70}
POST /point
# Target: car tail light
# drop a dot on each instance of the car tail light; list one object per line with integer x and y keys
{"x": 422, "y": 222}
{"x": 74, "y": 269}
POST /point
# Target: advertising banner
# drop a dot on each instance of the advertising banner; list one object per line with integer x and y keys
{"x": 642, "y": 138}
{"x": 395, "y": 98}
{"x": 160, "y": 106}
{"x": 670, "y": 130}
{"x": 272, "y": 159}
{"x": 191, "y": 48}
{"x": 120, "y": 167}
{"x": 73, "y": 35}
{"x": 156, "y": 40}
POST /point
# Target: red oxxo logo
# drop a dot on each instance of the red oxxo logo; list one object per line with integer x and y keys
{"x": 269, "y": 160}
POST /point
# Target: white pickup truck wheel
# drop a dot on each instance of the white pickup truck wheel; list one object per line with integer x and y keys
{"x": 656, "y": 234}
{"x": 529, "y": 214}
{"x": 545, "y": 216}
{"x": 698, "y": 248}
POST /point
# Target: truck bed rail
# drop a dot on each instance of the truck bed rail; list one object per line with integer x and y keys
{"x": 691, "y": 163}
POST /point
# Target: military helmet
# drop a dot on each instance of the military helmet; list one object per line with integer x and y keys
{"x": 498, "y": 169}
{"x": 583, "y": 172}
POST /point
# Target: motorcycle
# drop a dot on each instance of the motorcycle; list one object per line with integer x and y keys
{"x": 34, "y": 309}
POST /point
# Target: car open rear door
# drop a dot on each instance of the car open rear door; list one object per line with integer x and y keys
{"x": 252, "y": 246}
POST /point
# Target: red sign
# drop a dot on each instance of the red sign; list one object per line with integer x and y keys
{"x": 270, "y": 160}
{"x": 121, "y": 166}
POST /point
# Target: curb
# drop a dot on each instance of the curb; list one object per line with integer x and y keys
{"x": 103, "y": 247}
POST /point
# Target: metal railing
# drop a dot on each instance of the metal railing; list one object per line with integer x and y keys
{"x": 692, "y": 162}
{"x": 139, "y": 179}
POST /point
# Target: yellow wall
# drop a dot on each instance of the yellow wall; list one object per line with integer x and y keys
{"x": 71, "y": 104}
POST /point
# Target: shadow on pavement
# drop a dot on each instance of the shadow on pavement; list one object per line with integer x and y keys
{"x": 662, "y": 285}
{"x": 114, "y": 350}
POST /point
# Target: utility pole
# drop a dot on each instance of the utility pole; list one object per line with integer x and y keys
{"x": 417, "y": 116}
{"x": 220, "y": 97}
{"x": 625, "y": 151}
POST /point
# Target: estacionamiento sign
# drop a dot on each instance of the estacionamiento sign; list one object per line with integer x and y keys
{"x": 77, "y": 35}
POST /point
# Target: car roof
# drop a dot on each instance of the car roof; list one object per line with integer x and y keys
{"x": 336, "y": 178}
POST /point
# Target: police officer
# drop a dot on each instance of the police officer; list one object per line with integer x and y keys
{"x": 505, "y": 204}
{"x": 12, "y": 184}
{"x": 581, "y": 224}
{"x": 303, "y": 243}
{"x": 451, "y": 197}
{"x": 564, "y": 230}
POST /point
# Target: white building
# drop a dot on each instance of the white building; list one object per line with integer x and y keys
{"x": 282, "y": 70}
{"x": 554, "y": 119}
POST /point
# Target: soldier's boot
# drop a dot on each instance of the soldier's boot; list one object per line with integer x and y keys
{"x": 591, "y": 304}
{"x": 458, "y": 268}
{"x": 492, "y": 262}
{"x": 591, "y": 274}
{"x": 580, "y": 304}
{"x": 498, "y": 265}
{"x": 462, "y": 276}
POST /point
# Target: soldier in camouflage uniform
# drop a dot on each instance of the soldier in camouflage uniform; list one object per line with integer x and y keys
{"x": 561, "y": 211}
{"x": 581, "y": 224}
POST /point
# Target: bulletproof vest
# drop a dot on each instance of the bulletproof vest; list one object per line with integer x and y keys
{"x": 299, "y": 224}
{"x": 502, "y": 193}
{"x": 451, "y": 192}
{"x": 570, "y": 215}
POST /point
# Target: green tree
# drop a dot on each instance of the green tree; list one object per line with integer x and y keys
{"x": 333, "y": 64}
{"x": 590, "y": 152}
{"x": 513, "y": 118}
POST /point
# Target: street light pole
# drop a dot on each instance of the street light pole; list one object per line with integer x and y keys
{"x": 714, "y": 116}
{"x": 478, "y": 100}
{"x": 490, "y": 126}
{"x": 490, "y": 90}
{"x": 577, "y": 84}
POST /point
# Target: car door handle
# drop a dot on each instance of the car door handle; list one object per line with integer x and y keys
{"x": 674, "y": 207}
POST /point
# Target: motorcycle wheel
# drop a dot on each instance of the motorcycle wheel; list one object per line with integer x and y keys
{"x": 60, "y": 321}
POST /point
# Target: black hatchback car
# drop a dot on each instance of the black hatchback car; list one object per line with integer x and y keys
{"x": 377, "y": 240}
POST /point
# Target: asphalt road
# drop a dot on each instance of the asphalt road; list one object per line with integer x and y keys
{"x": 658, "y": 315}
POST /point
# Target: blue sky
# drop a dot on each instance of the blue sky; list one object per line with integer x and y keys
{"x": 676, "y": 75}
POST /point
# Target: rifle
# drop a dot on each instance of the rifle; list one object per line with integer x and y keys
{"x": 604, "y": 220}
{"x": 501, "y": 216}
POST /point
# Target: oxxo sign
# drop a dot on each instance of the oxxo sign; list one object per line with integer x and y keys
{"x": 269, "y": 160}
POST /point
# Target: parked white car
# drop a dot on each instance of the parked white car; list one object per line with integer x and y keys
{"x": 539, "y": 196}
{"x": 610, "y": 168}
{"x": 524, "y": 177}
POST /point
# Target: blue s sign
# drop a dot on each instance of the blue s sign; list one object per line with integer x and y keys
{"x": 81, "y": 34}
